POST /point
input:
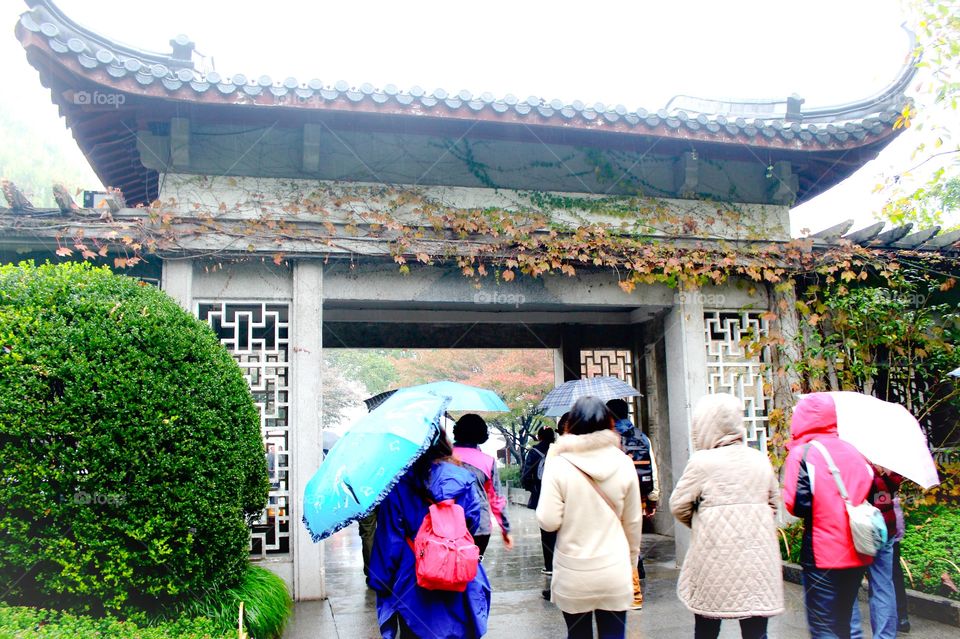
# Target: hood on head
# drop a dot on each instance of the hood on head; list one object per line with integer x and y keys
{"x": 814, "y": 414}
{"x": 718, "y": 421}
{"x": 594, "y": 453}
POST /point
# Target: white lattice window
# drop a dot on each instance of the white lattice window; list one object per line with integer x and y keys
{"x": 736, "y": 368}
{"x": 610, "y": 363}
{"x": 257, "y": 335}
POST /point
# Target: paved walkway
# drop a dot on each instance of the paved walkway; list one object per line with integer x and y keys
{"x": 519, "y": 612}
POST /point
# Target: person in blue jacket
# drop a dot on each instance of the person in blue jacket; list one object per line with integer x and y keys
{"x": 405, "y": 610}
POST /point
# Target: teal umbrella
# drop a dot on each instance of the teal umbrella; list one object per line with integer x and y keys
{"x": 463, "y": 397}
{"x": 366, "y": 463}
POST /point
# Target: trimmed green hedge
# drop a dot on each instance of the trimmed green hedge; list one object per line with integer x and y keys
{"x": 129, "y": 442}
{"x": 37, "y": 623}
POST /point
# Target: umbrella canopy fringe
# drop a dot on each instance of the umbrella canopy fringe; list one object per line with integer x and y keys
{"x": 316, "y": 537}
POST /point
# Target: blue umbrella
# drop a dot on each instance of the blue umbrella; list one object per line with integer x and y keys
{"x": 366, "y": 463}
{"x": 560, "y": 399}
{"x": 462, "y": 396}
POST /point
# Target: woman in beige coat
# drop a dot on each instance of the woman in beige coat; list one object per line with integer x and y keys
{"x": 591, "y": 497}
{"x": 728, "y": 497}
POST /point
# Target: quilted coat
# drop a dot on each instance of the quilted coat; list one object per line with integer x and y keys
{"x": 809, "y": 490}
{"x": 728, "y": 496}
{"x": 596, "y": 548}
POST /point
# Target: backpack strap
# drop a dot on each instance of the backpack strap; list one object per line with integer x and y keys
{"x": 833, "y": 470}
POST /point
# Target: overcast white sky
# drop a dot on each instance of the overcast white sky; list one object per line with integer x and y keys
{"x": 635, "y": 53}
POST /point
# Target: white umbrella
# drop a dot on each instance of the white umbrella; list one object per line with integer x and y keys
{"x": 887, "y": 435}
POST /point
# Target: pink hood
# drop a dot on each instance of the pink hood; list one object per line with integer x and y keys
{"x": 815, "y": 414}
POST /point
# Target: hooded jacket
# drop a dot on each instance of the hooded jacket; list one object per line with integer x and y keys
{"x": 429, "y": 613}
{"x": 597, "y": 548}
{"x": 810, "y": 492}
{"x": 728, "y": 496}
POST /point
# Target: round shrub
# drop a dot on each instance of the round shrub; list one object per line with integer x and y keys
{"x": 129, "y": 443}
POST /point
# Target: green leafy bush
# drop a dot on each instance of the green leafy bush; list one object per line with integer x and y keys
{"x": 929, "y": 548}
{"x": 791, "y": 538}
{"x": 129, "y": 442}
{"x": 266, "y": 605}
{"x": 510, "y": 475}
{"x": 37, "y": 623}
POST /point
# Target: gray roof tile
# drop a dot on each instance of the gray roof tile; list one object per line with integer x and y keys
{"x": 854, "y": 122}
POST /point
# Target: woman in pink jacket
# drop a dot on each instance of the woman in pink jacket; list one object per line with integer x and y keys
{"x": 468, "y": 433}
{"x": 832, "y": 567}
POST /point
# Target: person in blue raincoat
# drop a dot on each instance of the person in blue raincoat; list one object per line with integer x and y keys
{"x": 405, "y": 610}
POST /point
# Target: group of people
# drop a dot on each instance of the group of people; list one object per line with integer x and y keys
{"x": 593, "y": 484}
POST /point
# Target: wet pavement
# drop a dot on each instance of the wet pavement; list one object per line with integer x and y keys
{"x": 519, "y": 612}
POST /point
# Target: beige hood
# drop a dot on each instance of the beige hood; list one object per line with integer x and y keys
{"x": 594, "y": 453}
{"x": 718, "y": 421}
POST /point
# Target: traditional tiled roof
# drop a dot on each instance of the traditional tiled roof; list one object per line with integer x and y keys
{"x": 133, "y": 70}
{"x": 837, "y": 139}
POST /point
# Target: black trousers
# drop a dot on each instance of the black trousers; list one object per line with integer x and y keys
{"x": 482, "y": 541}
{"x": 610, "y": 624}
{"x": 548, "y": 540}
{"x": 750, "y": 628}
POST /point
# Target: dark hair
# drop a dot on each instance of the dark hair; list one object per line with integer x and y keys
{"x": 619, "y": 408}
{"x": 546, "y": 434}
{"x": 439, "y": 451}
{"x": 562, "y": 423}
{"x": 589, "y": 415}
{"x": 470, "y": 429}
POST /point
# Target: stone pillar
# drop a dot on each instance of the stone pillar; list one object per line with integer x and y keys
{"x": 306, "y": 352}
{"x": 176, "y": 281}
{"x": 656, "y": 398}
{"x": 686, "y": 356}
{"x": 558, "y": 376}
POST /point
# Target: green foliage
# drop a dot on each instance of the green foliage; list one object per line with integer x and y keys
{"x": 929, "y": 548}
{"x": 266, "y": 605}
{"x": 510, "y": 475}
{"x": 517, "y": 427}
{"x": 937, "y": 25}
{"x": 791, "y": 538}
{"x": 373, "y": 368}
{"x": 130, "y": 443}
{"x": 37, "y": 623}
{"x": 889, "y": 332}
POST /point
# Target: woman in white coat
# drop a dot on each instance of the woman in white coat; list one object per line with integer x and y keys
{"x": 591, "y": 497}
{"x": 728, "y": 496}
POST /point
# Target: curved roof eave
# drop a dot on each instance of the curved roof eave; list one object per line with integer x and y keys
{"x": 173, "y": 77}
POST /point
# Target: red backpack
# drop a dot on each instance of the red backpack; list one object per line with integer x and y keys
{"x": 446, "y": 557}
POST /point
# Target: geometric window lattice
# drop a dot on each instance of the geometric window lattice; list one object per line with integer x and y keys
{"x": 732, "y": 369}
{"x": 610, "y": 363}
{"x": 257, "y": 335}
